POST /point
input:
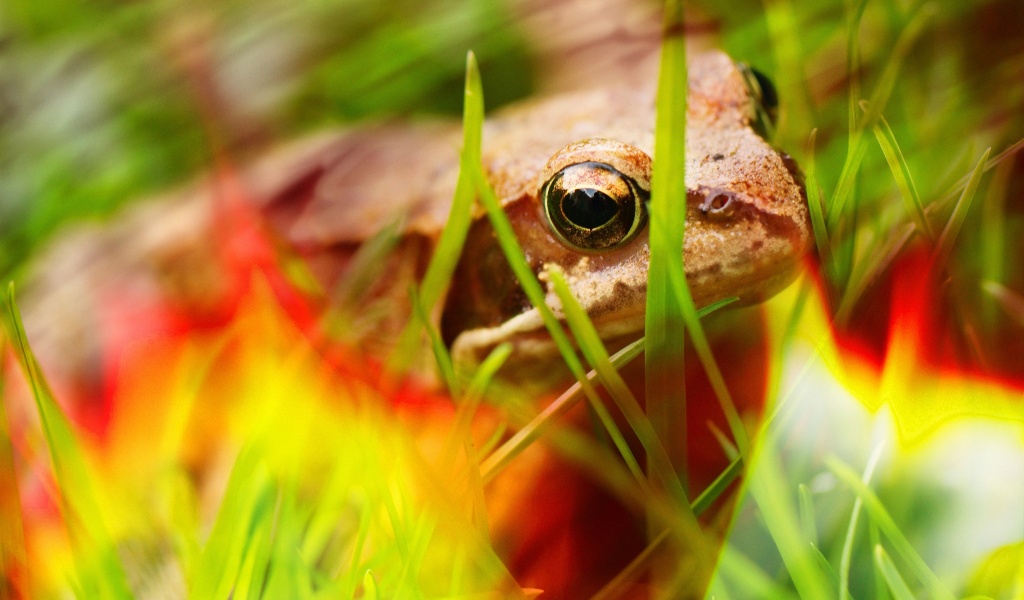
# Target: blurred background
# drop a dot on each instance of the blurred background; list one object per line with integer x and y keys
{"x": 106, "y": 104}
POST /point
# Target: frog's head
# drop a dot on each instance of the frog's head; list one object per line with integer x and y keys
{"x": 583, "y": 208}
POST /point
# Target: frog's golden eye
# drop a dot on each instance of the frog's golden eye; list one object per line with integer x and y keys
{"x": 592, "y": 206}
{"x": 763, "y": 91}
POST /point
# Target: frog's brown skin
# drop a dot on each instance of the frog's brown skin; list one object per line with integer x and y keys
{"x": 750, "y": 251}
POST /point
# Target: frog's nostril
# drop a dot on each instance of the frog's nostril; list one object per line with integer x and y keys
{"x": 717, "y": 202}
{"x": 720, "y": 201}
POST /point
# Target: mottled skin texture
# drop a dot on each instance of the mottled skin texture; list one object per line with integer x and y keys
{"x": 749, "y": 250}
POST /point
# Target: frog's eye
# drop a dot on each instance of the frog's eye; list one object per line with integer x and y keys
{"x": 763, "y": 91}
{"x": 591, "y": 206}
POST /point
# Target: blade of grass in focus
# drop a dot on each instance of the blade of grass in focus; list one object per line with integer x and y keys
{"x": 664, "y": 320}
{"x": 518, "y": 442}
{"x": 589, "y": 341}
{"x": 528, "y": 281}
{"x": 98, "y": 569}
{"x": 449, "y": 246}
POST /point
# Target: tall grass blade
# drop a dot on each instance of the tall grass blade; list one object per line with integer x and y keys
{"x": 593, "y": 349}
{"x": 528, "y": 281}
{"x": 449, "y": 246}
{"x": 888, "y": 527}
{"x": 99, "y": 571}
{"x": 877, "y": 103}
{"x": 441, "y": 355}
{"x": 807, "y": 525}
{"x": 892, "y": 576}
{"x": 518, "y": 442}
{"x": 232, "y": 538}
{"x": 691, "y": 318}
{"x": 901, "y": 173}
{"x": 666, "y": 384}
{"x": 993, "y": 251}
{"x": 944, "y": 246}
{"x": 768, "y": 486}
{"x": 717, "y": 487}
{"x": 851, "y": 529}
{"x": 818, "y": 227}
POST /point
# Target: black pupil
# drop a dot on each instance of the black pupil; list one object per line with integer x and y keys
{"x": 589, "y": 208}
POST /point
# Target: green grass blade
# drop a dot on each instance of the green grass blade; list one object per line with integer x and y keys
{"x": 593, "y": 349}
{"x": 663, "y": 324}
{"x": 441, "y": 355}
{"x": 944, "y": 246}
{"x": 717, "y": 487}
{"x": 851, "y": 530}
{"x": 797, "y": 112}
{"x": 770, "y": 489}
{"x": 993, "y": 248}
{"x": 691, "y": 318}
{"x": 892, "y": 532}
{"x": 232, "y": 538}
{"x": 818, "y": 226}
{"x": 854, "y": 16}
{"x": 98, "y": 568}
{"x": 518, "y": 442}
{"x": 806, "y": 506}
{"x": 370, "y": 588}
{"x": 901, "y": 173}
{"x": 877, "y": 103}
{"x": 528, "y": 281}
{"x": 449, "y": 246}
{"x": 891, "y": 574}
{"x": 748, "y": 577}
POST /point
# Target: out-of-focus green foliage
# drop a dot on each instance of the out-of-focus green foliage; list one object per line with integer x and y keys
{"x": 104, "y": 102}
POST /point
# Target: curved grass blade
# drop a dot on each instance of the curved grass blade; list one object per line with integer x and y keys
{"x": 879, "y": 99}
{"x": 99, "y": 571}
{"x": 528, "y": 281}
{"x": 518, "y": 442}
{"x": 944, "y": 246}
{"x": 881, "y": 517}
{"x": 851, "y": 530}
{"x": 593, "y": 349}
{"x": 449, "y": 246}
{"x": 441, "y": 355}
{"x": 889, "y": 572}
{"x": 901, "y": 173}
{"x": 818, "y": 226}
{"x": 768, "y": 486}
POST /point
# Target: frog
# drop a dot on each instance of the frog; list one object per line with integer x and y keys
{"x": 573, "y": 175}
